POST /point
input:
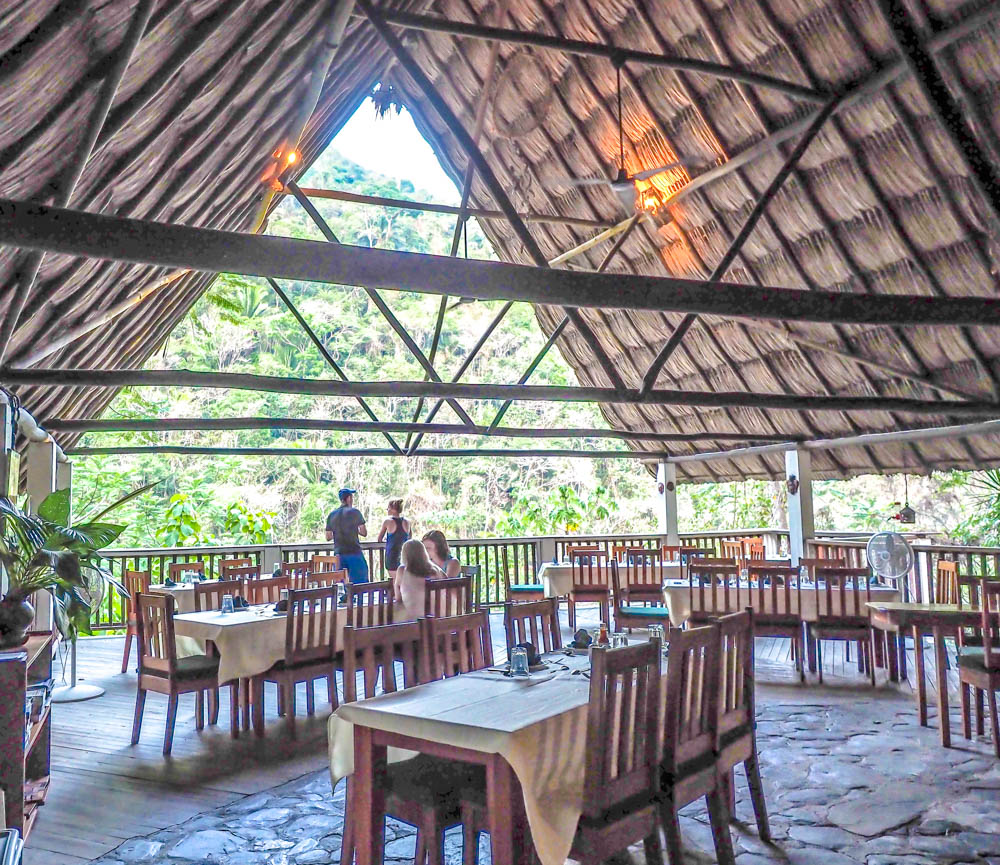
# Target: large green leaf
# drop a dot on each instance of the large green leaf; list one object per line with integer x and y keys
{"x": 126, "y": 498}
{"x": 83, "y": 538}
{"x": 55, "y": 507}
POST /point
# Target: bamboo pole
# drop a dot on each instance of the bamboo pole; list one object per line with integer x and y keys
{"x": 116, "y": 378}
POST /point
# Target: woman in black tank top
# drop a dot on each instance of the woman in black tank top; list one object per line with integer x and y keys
{"x": 396, "y": 531}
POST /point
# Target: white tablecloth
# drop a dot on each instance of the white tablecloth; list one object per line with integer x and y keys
{"x": 249, "y": 642}
{"x": 557, "y": 579}
{"x": 182, "y": 593}
{"x": 677, "y": 597}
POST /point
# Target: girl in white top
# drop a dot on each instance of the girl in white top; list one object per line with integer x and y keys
{"x": 440, "y": 554}
{"x": 410, "y": 582}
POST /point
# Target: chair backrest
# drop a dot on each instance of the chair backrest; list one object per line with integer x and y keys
{"x": 375, "y": 651}
{"x": 989, "y": 591}
{"x": 295, "y": 569}
{"x": 812, "y": 563}
{"x": 311, "y": 626}
{"x": 643, "y": 568}
{"x": 155, "y": 630}
{"x": 317, "y": 579}
{"x": 225, "y": 565}
{"x": 208, "y": 596}
{"x": 535, "y": 622}
{"x": 733, "y": 550}
{"x": 774, "y": 591}
{"x": 623, "y": 739}
{"x": 245, "y": 573}
{"x": 590, "y": 569}
{"x": 574, "y": 549}
{"x": 134, "y": 582}
{"x": 691, "y": 716}
{"x": 946, "y": 582}
{"x": 456, "y": 644}
{"x": 736, "y": 671}
{"x": 324, "y": 564}
{"x": 840, "y": 593}
{"x": 754, "y": 548}
{"x": 715, "y": 589}
{"x": 715, "y": 560}
{"x": 680, "y": 553}
{"x": 369, "y": 604}
{"x": 175, "y": 569}
{"x": 266, "y": 590}
{"x": 451, "y": 596}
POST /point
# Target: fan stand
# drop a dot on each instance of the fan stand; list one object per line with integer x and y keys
{"x": 75, "y": 692}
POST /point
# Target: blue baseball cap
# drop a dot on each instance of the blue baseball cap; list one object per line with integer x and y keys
{"x": 345, "y": 492}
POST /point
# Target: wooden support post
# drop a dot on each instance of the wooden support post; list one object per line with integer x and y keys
{"x": 666, "y": 511}
{"x": 801, "y": 528}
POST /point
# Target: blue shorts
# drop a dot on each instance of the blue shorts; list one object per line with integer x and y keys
{"x": 356, "y": 565}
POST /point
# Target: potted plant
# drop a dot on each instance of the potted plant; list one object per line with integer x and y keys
{"x": 45, "y": 551}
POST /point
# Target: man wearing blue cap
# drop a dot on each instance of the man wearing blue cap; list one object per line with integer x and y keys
{"x": 343, "y": 526}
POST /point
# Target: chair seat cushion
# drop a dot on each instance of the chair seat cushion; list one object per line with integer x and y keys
{"x": 196, "y": 666}
{"x": 646, "y": 612}
{"x": 528, "y": 587}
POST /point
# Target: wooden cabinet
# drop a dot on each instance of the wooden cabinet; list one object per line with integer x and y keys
{"x": 25, "y": 734}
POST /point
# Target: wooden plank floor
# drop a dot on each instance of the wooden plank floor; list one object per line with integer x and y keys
{"x": 105, "y": 791}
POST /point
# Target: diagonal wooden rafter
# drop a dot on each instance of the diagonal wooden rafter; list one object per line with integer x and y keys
{"x": 649, "y": 379}
{"x": 382, "y": 306}
{"x": 496, "y": 189}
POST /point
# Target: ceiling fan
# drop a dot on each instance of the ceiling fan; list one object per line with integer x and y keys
{"x": 623, "y": 185}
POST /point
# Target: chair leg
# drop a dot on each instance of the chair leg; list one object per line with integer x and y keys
{"x": 140, "y": 703}
{"x": 420, "y": 856}
{"x": 435, "y": 844}
{"x": 800, "y": 641}
{"x": 199, "y": 710}
{"x": 752, "y": 768}
{"x": 128, "y": 651}
{"x": 671, "y": 831}
{"x": 870, "y": 652}
{"x": 234, "y": 709}
{"x": 819, "y": 659}
{"x": 470, "y": 837}
{"x": 213, "y": 706}
{"x": 571, "y": 614}
{"x": 289, "y": 692}
{"x": 331, "y": 688}
{"x": 168, "y": 730}
{"x": 963, "y": 694}
{"x": 980, "y": 713}
{"x": 718, "y": 815}
{"x": 991, "y": 697}
{"x": 310, "y": 696}
{"x": 281, "y": 701}
{"x": 245, "y": 703}
{"x": 729, "y": 788}
{"x": 652, "y": 847}
{"x": 257, "y": 705}
{"x": 347, "y": 845}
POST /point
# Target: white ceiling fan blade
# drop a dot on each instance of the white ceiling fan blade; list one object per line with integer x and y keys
{"x": 652, "y": 172}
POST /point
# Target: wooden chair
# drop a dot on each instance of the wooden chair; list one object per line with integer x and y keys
{"x": 135, "y": 582}
{"x": 266, "y": 590}
{"x": 621, "y": 783}
{"x": 456, "y": 644}
{"x": 318, "y": 579}
{"x": 324, "y": 564}
{"x": 733, "y": 550}
{"x": 643, "y": 577}
{"x": 754, "y": 549}
{"x": 628, "y": 616}
{"x": 980, "y": 670}
{"x": 690, "y": 739}
{"x": 535, "y": 622}
{"x": 160, "y": 670}
{"x": 841, "y": 613}
{"x": 519, "y": 592}
{"x": 679, "y": 552}
{"x": 716, "y": 560}
{"x": 310, "y": 654}
{"x": 175, "y": 569}
{"x": 737, "y": 717}
{"x": 245, "y": 574}
{"x": 208, "y": 596}
{"x": 369, "y": 604}
{"x": 946, "y": 582}
{"x": 295, "y": 569}
{"x": 776, "y": 597}
{"x": 591, "y": 583}
{"x": 583, "y": 549}
{"x": 715, "y": 590}
{"x": 426, "y": 792}
{"x": 224, "y": 566}
{"x": 448, "y": 597}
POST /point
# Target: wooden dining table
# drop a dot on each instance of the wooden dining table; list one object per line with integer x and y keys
{"x": 942, "y": 620}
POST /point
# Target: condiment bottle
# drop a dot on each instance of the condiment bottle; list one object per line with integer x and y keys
{"x": 602, "y": 636}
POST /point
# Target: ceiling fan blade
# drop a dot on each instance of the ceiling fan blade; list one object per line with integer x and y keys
{"x": 652, "y": 172}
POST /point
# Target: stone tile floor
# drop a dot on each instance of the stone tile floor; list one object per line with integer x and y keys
{"x": 849, "y": 780}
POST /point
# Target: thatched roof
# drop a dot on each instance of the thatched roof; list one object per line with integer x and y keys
{"x": 880, "y": 202}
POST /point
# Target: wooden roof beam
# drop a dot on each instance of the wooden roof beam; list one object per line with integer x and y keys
{"x": 613, "y": 53}
{"x": 195, "y": 450}
{"x": 117, "y": 378}
{"x": 183, "y": 424}
{"x": 451, "y": 210}
{"x": 93, "y": 235}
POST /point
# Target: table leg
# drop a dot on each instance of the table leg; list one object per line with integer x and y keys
{"x": 918, "y": 673}
{"x": 892, "y": 655}
{"x": 369, "y": 797}
{"x": 502, "y": 814}
{"x": 811, "y": 649}
{"x": 901, "y": 652}
{"x": 940, "y": 660}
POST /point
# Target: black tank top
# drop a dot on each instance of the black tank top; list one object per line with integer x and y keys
{"x": 394, "y": 544}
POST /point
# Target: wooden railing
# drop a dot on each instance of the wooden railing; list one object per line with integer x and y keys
{"x": 525, "y": 556}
